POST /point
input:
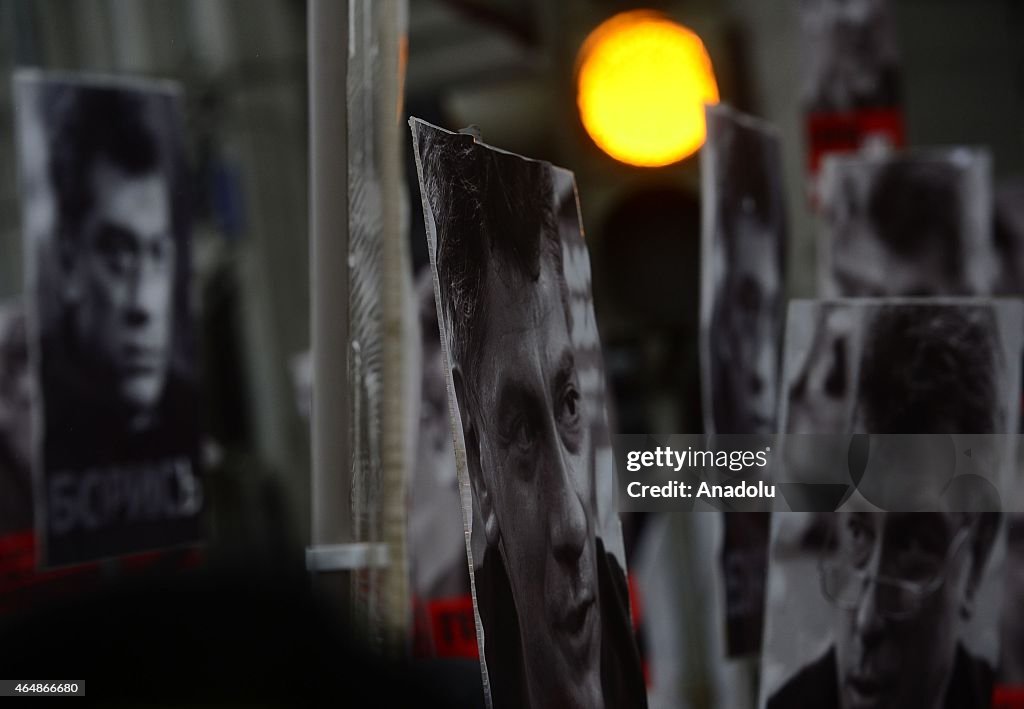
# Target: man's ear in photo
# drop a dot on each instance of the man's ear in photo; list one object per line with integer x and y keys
{"x": 471, "y": 434}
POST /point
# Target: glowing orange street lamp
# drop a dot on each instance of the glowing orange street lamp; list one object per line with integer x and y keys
{"x": 642, "y": 82}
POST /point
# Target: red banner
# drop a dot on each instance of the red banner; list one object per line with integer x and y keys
{"x": 849, "y": 131}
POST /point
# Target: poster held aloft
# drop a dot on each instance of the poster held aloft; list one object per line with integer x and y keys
{"x": 915, "y": 223}
{"x": 851, "y": 77}
{"x": 867, "y": 607}
{"x": 526, "y": 399}
{"x": 743, "y": 272}
{"x": 742, "y": 309}
{"x": 104, "y": 194}
{"x": 438, "y": 577}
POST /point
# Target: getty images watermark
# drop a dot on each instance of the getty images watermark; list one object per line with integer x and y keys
{"x": 667, "y": 458}
{"x": 818, "y": 473}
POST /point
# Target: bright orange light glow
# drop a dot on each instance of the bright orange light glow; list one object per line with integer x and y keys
{"x": 642, "y": 82}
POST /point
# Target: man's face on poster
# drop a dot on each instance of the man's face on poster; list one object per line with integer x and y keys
{"x": 819, "y": 398}
{"x": 856, "y": 38}
{"x": 865, "y": 265}
{"x": 534, "y": 484}
{"x": 122, "y": 280}
{"x": 750, "y": 301}
{"x": 899, "y": 582}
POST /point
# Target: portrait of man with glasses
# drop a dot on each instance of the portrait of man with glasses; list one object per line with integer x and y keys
{"x": 899, "y": 592}
{"x": 900, "y": 585}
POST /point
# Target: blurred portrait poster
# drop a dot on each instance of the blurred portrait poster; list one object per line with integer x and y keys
{"x": 868, "y": 607}
{"x": 825, "y": 647}
{"x": 742, "y": 277}
{"x": 742, "y": 309}
{"x": 1011, "y": 667}
{"x": 439, "y": 576}
{"x": 526, "y": 399}
{"x": 916, "y": 223}
{"x": 851, "y": 82}
{"x": 1009, "y": 249}
{"x": 107, "y": 234}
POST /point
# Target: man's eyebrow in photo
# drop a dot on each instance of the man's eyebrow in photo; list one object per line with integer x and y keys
{"x": 112, "y": 234}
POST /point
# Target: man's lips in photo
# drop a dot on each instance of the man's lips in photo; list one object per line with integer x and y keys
{"x": 141, "y": 359}
{"x": 868, "y": 688}
{"x": 577, "y": 622}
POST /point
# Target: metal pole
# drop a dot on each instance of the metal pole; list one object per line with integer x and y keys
{"x": 329, "y": 279}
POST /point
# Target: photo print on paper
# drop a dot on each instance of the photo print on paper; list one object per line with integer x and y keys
{"x": 526, "y": 387}
{"x": 113, "y": 352}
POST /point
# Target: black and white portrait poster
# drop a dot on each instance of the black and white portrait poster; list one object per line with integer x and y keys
{"x": 525, "y": 395}
{"x": 439, "y": 577}
{"x": 104, "y": 199}
{"x": 742, "y": 275}
{"x": 828, "y": 646}
{"x": 917, "y": 223}
{"x": 932, "y": 347}
{"x": 850, "y": 76}
{"x": 1009, "y": 249}
{"x": 1011, "y": 669}
{"x": 742, "y": 309}
{"x": 870, "y": 608}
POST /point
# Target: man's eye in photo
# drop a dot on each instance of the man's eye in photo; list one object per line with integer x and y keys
{"x": 569, "y": 416}
{"x": 859, "y": 541}
{"x": 161, "y": 250}
{"x": 571, "y": 406}
{"x": 117, "y": 249}
{"x": 121, "y": 261}
{"x": 523, "y": 434}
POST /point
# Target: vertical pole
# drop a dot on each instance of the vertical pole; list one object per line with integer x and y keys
{"x": 331, "y": 439}
{"x": 394, "y": 298}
